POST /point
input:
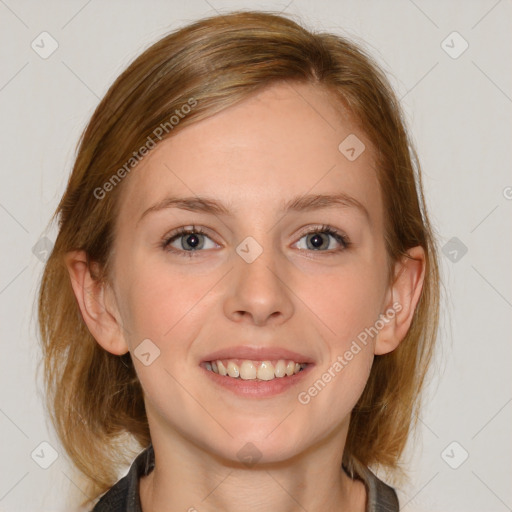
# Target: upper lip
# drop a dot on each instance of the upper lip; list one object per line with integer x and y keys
{"x": 257, "y": 353}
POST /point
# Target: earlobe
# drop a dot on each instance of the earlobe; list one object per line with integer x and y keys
{"x": 403, "y": 297}
{"x": 101, "y": 321}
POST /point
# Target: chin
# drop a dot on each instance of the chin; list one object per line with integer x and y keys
{"x": 264, "y": 442}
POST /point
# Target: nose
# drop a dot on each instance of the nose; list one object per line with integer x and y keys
{"x": 258, "y": 292}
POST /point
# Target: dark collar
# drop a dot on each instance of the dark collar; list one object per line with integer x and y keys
{"x": 124, "y": 495}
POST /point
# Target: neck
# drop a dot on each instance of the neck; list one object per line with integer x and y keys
{"x": 188, "y": 478}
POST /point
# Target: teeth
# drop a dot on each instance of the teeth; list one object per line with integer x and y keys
{"x": 266, "y": 371}
{"x": 251, "y": 370}
{"x": 233, "y": 370}
{"x": 221, "y": 368}
{"x": 248, "y": 371}
{"x": 280, "y": 369}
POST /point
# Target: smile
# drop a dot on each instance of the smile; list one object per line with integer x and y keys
{"x": 254, "y": 370}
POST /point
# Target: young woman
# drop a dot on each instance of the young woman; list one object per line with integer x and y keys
{"x": 244, "y": 281}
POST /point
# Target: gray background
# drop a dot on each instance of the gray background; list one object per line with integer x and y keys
{"x": 459, "y": 111}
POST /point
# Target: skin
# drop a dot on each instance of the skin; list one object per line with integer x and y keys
{"x": 253, "y": 157}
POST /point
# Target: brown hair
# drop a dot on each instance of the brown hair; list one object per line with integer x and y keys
{"x": 94, "y": 397}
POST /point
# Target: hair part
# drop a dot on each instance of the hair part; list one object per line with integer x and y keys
{"x": 94, "y": 397}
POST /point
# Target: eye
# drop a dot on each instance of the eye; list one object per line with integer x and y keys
{"x": 188, "y": 240}
{"x": 322, "y": 239}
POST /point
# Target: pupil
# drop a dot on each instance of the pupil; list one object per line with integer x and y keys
{"x": 316, "y": 240}
{"x": 192, "y": 240}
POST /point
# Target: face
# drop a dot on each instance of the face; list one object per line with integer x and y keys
{"x": 267, "y": 270}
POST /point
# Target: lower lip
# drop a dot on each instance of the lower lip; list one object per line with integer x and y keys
{"x": 258, "y": 388}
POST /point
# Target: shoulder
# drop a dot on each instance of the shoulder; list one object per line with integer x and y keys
{"x": 124, "y": 495}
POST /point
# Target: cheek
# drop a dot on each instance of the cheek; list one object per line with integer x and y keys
{"x": 158, "y": 303}
{"x": 345, "y": 310}
{"x": 346, "y": 305}
{"x": 345, "y": 302}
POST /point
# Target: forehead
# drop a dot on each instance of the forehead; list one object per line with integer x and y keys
{"x": 289, "y": 139}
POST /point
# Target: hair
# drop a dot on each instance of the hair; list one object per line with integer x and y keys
{"x": 94, "y": 398}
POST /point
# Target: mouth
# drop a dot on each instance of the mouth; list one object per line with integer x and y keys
{"x": 249, "y": 369}
{"x": 255, "y": 371}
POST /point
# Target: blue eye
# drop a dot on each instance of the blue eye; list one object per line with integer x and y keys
{"x": 324, "y": 238}
{"x": 188, "y": 240}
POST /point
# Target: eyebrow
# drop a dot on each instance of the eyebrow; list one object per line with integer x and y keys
{"x": 300, "y": 204}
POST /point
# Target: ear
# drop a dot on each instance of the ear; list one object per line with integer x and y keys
{"x": 97, "y": 304}
{"x": 401, "y": 301}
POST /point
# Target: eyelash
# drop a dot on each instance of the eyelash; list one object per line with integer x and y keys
{"x": 177, "y": 234}
{"x": 341, "y": 238}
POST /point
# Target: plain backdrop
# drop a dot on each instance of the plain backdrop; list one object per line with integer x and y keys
{"x": 449, "y": 62}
